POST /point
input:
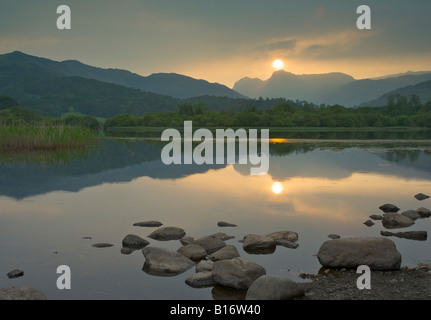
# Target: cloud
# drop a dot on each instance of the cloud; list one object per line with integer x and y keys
{"x": 11, "y": 44}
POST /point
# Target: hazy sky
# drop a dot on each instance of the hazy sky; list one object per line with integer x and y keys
{"x": 224, "y": 40}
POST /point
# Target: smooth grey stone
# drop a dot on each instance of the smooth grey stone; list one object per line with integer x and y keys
{"x": 274, "y": 287}
{"x": 377, "y": 253}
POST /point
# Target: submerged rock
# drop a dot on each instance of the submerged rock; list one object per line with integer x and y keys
{"x": 163, "y": 262}
{"x": 167, "y": 233}
{"x": 285, "y": 235}
{"x": 387, "y": 207}
{"x": 238, "y": 273}
{"x": 225, "y": 224}
{"x": 376, "y": 217}
{"x": 412, "y": 235}
{"x": 102, "y": 245}
{"x": 421, "y": 196}
{"x": 377, "y": 253}
{"x": 134, "y": 242}
{"x": 394, "y": 220}
{"x": 21, "y": 293}
{"x": 274, "y": 287}
{"x": 148, "y": 224}
{"x": 222, "y": 236}
{"x": 286, "y": 243}
{"x": 15, "y": 274}
{"x": 411, "y": 214}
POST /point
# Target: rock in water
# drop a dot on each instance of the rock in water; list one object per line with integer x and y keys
{"x": 102, "y": 245}
{"x": 222, "y": 236}
{"x": 411, "y": 235}
{"x": 201, "y": 280}
{"x": 193, "y": 251}
{"x": 411, "y": 214}
{"x": 334, "y": 236}
{"x": 225, "y": 224}
{"x": 15, "y": 274}
{"x": 369, "y": 223}
{"x": 394, "y": 220}
{"x": 238, "y": 273}
{"x": 421, "y": 196}
{"x": 210, "y": 243}
{"x": 163, "y": 262}
{"x": 283, "y": 235}
{"x": 257, "y": 244}
{"x": 224, "y": 253}
{"x": 272, "y": 287}
{"x": 389, "y": 208}
{"x": 167, "y": 233}
{"x": 377, "y": 253}
{"x": 204, "y": 265}
{"x": 148, "y": 224}
{"x": 376, "y": 217}
{"x": 424, "y": 212}
{"x": 134, "y": 242}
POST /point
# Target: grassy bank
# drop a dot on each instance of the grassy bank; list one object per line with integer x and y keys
{"x": 45, "y": 137}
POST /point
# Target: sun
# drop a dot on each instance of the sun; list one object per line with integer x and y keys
{"x": 277, "y": 187}
{"x": 278, "y": 64}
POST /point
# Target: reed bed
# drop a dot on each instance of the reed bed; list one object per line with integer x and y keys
{"x": 45, "y": 137}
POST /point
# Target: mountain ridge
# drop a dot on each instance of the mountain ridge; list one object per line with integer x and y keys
{"x": 170, "y": 84}
{"x": 327, "y": 88}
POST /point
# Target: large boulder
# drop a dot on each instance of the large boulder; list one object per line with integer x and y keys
{"x": 257, "y": 244}
{"x": 167, "y": 233}
{"x": 163, "y": 262}
{"x": 394, "y": 220}
{"x": 21, "y": 293}
{"x": 377, "y": 253}
{"x": 274, "y": 287}
{"x": 238, "y": 273}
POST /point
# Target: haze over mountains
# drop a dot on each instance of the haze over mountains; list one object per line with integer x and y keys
{"x": 333, "y": 88}
{"x": 53, "y": 88}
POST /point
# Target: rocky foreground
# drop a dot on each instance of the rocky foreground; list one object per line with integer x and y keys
{"x": 221, "y": 266}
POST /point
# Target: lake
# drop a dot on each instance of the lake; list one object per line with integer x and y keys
{"x": 316, "y": 185}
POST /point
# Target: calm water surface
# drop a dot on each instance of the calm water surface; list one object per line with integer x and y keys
{"x": 313, "y": 187}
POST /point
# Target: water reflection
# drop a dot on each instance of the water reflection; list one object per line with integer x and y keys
{"x": 312, "y": 188}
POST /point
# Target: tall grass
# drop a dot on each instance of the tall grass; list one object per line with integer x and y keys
{"x": 43, "y": 137}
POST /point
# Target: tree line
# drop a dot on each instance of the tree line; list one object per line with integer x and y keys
{"x": 399, "y": 111}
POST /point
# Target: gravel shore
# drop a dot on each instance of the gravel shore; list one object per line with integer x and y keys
{"x": 404, "y": 284}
